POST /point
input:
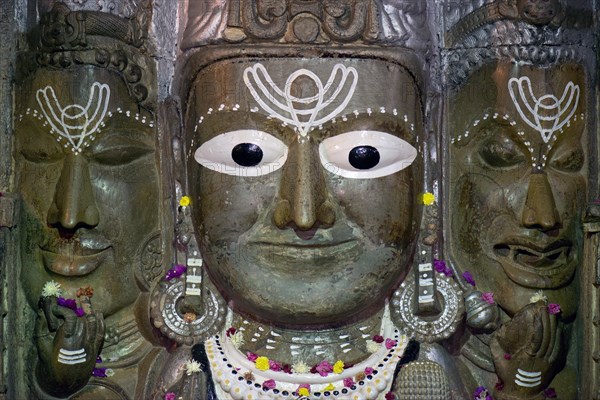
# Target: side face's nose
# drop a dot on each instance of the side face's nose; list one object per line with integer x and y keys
{"x": 303, "y": 198}
{"x": 540, "y": 210}
{"x": 73, "y": 205}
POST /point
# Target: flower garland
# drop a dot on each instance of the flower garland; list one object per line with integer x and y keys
{"x": 275, "y": 379}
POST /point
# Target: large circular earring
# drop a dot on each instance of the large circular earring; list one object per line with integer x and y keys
{"x": 185, "y": 306}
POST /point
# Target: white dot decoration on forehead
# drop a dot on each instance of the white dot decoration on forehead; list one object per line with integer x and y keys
{"x": 281, "y": 104}
{"x": 75, "y": 122}
{"x": 546, "y": 114}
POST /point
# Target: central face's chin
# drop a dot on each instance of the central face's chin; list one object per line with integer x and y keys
{"x": 310, "y": 242}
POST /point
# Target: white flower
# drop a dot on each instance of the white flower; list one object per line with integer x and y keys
{"x": 192, "y": 367}
{"x": 109, "y": 372}
{"x": 539, "y": 295}
{"x": 372, "y": 346}
{"x": 300, "y": 368}
{"x": 51, "y": 288}
{"x": 237, "y": 339}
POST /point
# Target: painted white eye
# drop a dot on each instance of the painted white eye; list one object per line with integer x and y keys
{"x": 366, "y": 154}
{"x": 244, "y": 152}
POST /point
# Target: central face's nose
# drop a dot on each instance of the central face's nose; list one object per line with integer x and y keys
{"x": 540, "y": 210}
{"x": 303, "y": 196}
{"x": 73, "y": 205}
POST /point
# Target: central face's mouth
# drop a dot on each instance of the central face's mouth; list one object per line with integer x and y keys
{"x": 77, "y": 256}
{"x": 534, "y": 265}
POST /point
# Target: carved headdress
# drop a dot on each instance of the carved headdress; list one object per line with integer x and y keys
{"x": 354, "y": 28}
{"x": 114, "y": 40}
{"x": 548, "y": 32}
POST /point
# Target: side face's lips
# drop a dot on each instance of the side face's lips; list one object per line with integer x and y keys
{"x": 537, "y": 264}
{"x": 73, "y": 265}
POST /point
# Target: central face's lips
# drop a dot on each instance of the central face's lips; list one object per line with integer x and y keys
{"x": 321, "y": 247}
{"x": 536, "y": 265}
{"x": 76, "y": 256}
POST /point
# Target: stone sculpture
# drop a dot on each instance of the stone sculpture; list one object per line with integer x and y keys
{"x": 341, "y": 199}
{"x": 87, "y": 174}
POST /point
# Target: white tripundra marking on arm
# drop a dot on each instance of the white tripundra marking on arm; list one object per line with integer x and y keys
{"x": 528, "y": 379}
{"x": 75, "y": 122}
{"x": 71, "y": 356}
{"x": 556, "y": 112}
{"x": 280, "y": 103}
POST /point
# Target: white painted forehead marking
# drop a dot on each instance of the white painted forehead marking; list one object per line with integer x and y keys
{"x": 556, "y": 112}
{"x": 75, "y": 122}
{"x": 280, "y": 103}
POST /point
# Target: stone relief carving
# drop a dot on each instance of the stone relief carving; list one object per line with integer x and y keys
{"x": 335, "y": 234}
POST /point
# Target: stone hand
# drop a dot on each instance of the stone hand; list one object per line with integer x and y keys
{"x": 68, "y": 346}
{"x": 527, "y": 352}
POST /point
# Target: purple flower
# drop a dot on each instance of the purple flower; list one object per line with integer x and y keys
{"x": 469, "y": 278}
{"x": 390, "y": 396}
{"x": 287, "y": 368}
{"x": 230, "y": 331}
{"x": 176, "y": 271}
{"x": 554, "y": 308}
{"x": 448, "y": 271}
{"x": 378, "y": 339}
{"x": 79, "y": 312}
{"x": 269, "y": 384}
{"x": 170, "y": 396}
{"x": 550, "y": 393}
{"x": 68, "y": 303}
{"x": 499, "y": 385}
{"x": 324, "y": 368}
{"x": 488, "y": 297}
{"x": 98, "y": 359}
{"x": 439, "y": 265}
{"x": 389, "y": 343}
{"x": 99, "y": 372}
{"x": 478, "y": 391}
{"x": 368, "y": 371}
{"x": 507, "y": 356}
{"x": 348, "y": 382}
{"x": 251, "y": 356}
{"x": 275, "y": 366}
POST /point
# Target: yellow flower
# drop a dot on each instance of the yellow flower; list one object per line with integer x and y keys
{"x": 338, "y": 367}
{"x": 262, "y": 363}
{"x": 329, "y": 387}
{"x": 428, "y": 198}
{"x": 185, "y": 201}
{"x": 303, "y": 392}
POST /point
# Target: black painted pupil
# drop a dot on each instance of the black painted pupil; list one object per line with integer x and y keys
{"x": 247, "y": 154}
{"x": 363, "y": 157}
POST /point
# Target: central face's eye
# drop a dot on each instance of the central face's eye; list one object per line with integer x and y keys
{"x": 244, "y": 152}
{"x": 247, "y": 154}
{"x": 364, "y": 157}
{"x": 366, "y": 154}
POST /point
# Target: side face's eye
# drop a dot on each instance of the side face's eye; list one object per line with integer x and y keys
{"x": 501, "y": 152}
{"x": 366, "y": 154}
{"x": 244, "y": 152}
{"x": 116, "y": 150}
{"x": 569, "y": 160}
{"x": 41, "y": 150}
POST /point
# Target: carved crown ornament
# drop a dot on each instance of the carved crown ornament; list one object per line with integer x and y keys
{"x": 324, "y": 22}
{"x": 552, "y": 14}
{"x": 63, "y": 29}
{"x": 65, "y": 38}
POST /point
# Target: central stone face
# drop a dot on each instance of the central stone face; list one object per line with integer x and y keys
{"x": 304, "y": 175}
